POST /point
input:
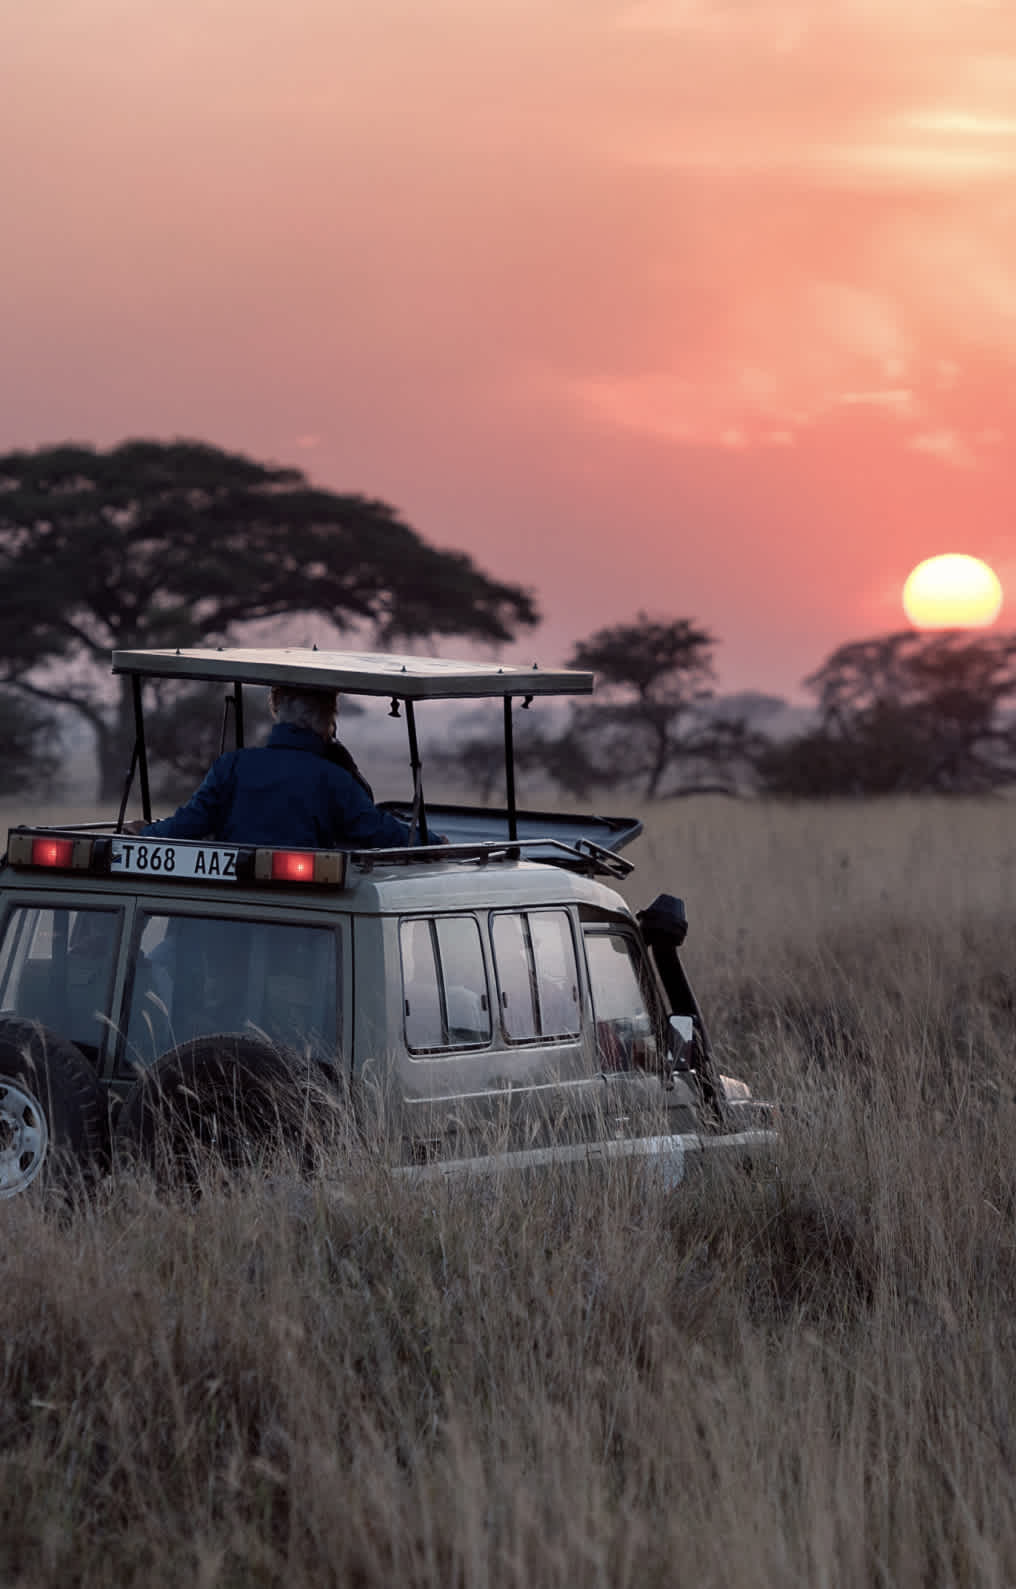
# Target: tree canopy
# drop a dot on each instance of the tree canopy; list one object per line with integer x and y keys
{"x": 906, "y": 713}
{"x": 153, "y": 544}
{"x": 653, "y": 676}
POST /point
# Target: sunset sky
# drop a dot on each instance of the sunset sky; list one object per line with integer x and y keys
{"x": 706, "y": 307}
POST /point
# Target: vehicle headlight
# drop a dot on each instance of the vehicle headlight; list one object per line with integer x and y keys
{"x": 735, "y": 1091}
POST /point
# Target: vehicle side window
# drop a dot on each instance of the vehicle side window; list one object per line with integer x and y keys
{"x": 625, "y": 1035}
{"x": 516, "y": 977}
{"x": 460, "y": 956}
{"x": 421, "y": 992}
{"x": 444, "y": 984}
{"x": 557, "y": 977}
{"x": 197, "y": 976}
{"x": 537, "y": 976}
{"x": 56, "y": 967}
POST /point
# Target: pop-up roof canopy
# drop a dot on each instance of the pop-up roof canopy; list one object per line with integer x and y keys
{"x": 357, "y": 672}
{"x": 404, "y": 679}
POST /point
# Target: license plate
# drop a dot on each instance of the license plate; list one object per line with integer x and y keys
{"x": 144, "y": 858}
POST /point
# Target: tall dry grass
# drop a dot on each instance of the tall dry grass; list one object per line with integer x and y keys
{"x": 802, "y": 1377}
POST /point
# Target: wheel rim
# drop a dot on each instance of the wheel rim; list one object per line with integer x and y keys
{"x": 24, "y": 1137}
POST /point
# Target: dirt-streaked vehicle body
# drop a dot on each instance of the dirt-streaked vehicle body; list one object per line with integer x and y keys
{"x": 489, "y": 1000}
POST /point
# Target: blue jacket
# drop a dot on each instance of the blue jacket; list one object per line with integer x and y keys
{"x": 285, "y": 792}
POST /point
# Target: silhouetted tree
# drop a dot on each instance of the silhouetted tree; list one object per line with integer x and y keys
{"x": 905, "y": 713}
{"x": 162, "y": 544}
{"x": 653, "y": 677}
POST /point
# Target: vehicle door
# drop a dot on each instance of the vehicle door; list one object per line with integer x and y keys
{"x": 496, "y": 1027}
{"x": 627, "y": 1022}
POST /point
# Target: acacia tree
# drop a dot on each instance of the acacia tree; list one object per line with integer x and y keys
{"x": 156, "y": 544}
{"x": 906, "y": 713}
{"x": 653, "y": 677}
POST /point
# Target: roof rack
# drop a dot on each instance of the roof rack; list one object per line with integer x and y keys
{"x": 581, "y": 856}
{"x": 404, "y": 679}
{"x": 92, "y": 848}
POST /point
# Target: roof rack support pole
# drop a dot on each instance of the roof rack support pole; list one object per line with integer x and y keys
{"x": 127, "y": 789}
{"x": 419, "y": 809}
{"x": 238, "y": 713}
{"x": 142, "y": 753}
{"x": 509, "y": 768}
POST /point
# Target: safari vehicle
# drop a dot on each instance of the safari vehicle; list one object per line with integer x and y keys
{"x": 489, "y": 1000}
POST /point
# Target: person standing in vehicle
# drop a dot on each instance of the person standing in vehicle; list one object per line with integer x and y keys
{"x": 301, "y": 789}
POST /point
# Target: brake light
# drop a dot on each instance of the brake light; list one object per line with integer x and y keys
{"x": 292, "y": 866}
{"x": 300, "y": 866}
{"x": 52, "y": 852}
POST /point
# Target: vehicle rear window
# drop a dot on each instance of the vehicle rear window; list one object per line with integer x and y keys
{"x": 196, "y": 976}
{"x": 56, "y": 967}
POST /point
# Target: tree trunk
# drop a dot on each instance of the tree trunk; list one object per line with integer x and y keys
{"x": 660, "y": 760}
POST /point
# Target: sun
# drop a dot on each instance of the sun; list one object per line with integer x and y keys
{"x": 952, "y": 592}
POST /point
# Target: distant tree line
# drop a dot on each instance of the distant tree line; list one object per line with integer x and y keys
{"x": 153, "y": 544}
{"x": 906, "y": 713}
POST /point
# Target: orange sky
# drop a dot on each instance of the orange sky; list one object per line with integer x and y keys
{"x": 702, "y": 306}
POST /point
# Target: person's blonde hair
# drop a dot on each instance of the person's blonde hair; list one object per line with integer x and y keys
{"x": 302, "y": 707}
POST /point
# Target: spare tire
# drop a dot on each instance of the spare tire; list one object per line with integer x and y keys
{"x": 227, "y": 1098}
{"x": 52, "y": 1108}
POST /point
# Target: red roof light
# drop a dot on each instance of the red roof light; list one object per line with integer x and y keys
{"x": 326, "y": 867}
{"x": 52, "y": 852}
{"x": 293, "y": 866}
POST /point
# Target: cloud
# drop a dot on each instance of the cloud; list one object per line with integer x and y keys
{"x": 780, "y": 24}
{"x": 840, "y": 178}
{"x": 944, "y": 444}
{"x": 780, "y": 362}
{"x": 894, "y": 400}
{"x": 740, "y": 18}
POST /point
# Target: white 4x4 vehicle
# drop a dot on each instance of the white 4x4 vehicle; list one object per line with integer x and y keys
{"x": 490, "y": 1001}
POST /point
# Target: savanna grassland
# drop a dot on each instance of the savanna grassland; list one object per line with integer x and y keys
{"x": 799, "y": 1377}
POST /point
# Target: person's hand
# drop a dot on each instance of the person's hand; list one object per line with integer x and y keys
{"x": 137, "y": 826}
